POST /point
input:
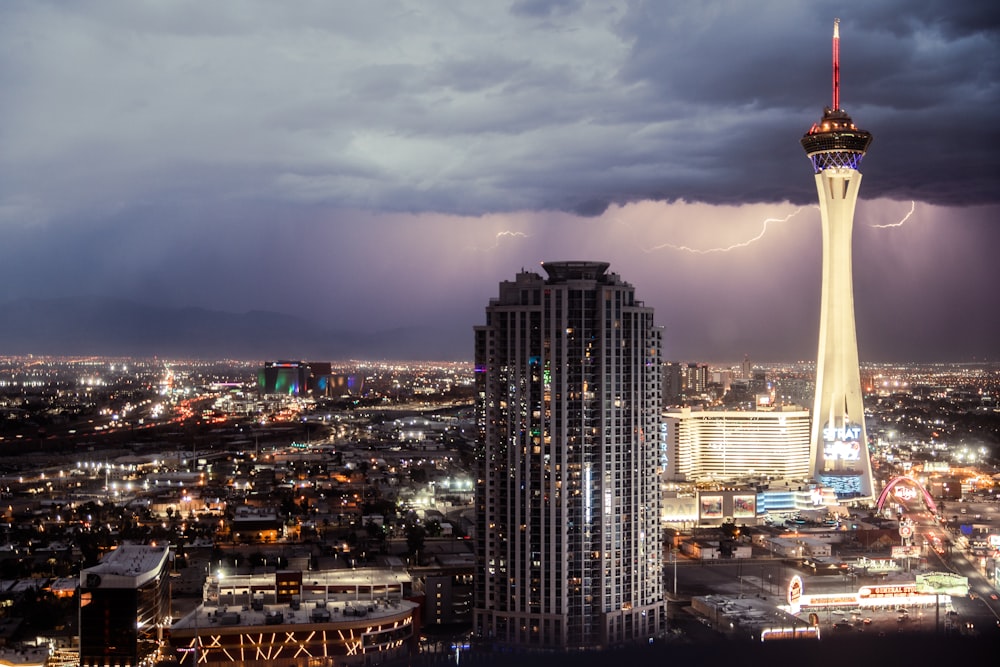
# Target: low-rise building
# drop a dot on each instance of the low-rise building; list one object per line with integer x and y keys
{"x": 342, "y": 617}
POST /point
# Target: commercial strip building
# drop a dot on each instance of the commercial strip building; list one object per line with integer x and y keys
{"x": 774, "y": 504}
{"x": 909, "y": 595}
{"x": 790, "y": 612}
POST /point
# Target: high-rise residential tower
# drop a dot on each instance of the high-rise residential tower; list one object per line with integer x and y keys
{"x": 567, "y": 498}
{"x": 839, "y": 445}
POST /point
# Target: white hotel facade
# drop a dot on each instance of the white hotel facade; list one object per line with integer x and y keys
{"x": 726, "y": 446}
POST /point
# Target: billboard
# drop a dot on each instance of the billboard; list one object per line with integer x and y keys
{"x": 711, "y": 507}
{"x": 906, "y": 551}
{"x": 745, "y": 506}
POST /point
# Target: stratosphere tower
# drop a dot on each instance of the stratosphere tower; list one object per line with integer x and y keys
{"x": 839, "y": 455}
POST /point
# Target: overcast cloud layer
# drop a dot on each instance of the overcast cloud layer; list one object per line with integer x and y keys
{"x": 386, "y": 164}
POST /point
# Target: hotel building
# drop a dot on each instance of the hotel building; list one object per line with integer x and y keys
{"x": 711, "y": 446}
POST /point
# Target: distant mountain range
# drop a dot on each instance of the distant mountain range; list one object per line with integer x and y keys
{"x": 113, "y": 327}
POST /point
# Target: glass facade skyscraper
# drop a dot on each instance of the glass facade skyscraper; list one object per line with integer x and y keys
{"x": 124, "y": 606}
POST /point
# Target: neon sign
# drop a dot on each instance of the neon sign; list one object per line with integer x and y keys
{"x": 906, "y": 493}
{"x": 843, "y": 443}
{"x": 846, "y": 433}
{"x": 899, "y": 590}
{"x": 795, "y": 590}
{"x": 898, "y": 481}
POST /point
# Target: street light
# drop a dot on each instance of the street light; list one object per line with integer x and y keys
{"x": 673, "y": 557}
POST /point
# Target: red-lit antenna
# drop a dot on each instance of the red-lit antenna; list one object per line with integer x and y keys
{"x": 836, "y": 64}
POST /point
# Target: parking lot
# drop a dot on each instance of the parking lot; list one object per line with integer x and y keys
{"x": 883, "y": 621}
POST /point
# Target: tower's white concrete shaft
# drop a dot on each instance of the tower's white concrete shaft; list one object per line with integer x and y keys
{"x": 839, "y": 444}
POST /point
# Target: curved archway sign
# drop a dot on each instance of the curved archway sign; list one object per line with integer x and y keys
{"x": 910, "y": 482}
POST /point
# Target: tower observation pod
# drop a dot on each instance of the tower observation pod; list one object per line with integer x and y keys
{"x": 839, "y": 455}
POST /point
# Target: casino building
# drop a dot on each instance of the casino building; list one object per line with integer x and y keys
{"x": 726, "y": 446}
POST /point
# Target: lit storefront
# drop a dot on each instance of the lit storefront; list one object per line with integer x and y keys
{"x": 887, "y": 596}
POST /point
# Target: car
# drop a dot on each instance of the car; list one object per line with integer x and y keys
{"x": 866, "y": 620}
{"x": 993, "y": 596}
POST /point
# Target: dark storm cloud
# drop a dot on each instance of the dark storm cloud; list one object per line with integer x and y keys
{"x": 323, "y": 158}
{"x": 910, "y": 73}
{"x": 530, "y": 105}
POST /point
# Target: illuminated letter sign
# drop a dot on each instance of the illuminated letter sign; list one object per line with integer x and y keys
{"x": 842, "y": 443}
{"x": 887, "y": 591}
{"x": 905, "y": 493}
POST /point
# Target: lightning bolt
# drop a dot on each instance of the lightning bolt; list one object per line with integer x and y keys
{"x": 500, "y": 235}
{"x": 509, "y": 233}
{"x": 734, "y": 246}
{"x": 913, "y": 207}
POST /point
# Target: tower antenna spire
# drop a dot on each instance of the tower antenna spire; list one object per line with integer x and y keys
{"x": 836, "y": 64}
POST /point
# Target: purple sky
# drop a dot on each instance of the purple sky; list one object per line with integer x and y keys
{"x": 378, "y": 168}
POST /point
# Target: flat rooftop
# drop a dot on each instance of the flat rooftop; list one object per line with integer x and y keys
{"x": 343, "y": 609}
{"x": 129, "y": 565}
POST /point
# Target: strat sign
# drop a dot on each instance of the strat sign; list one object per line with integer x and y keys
{"x": 842, "y": 443}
